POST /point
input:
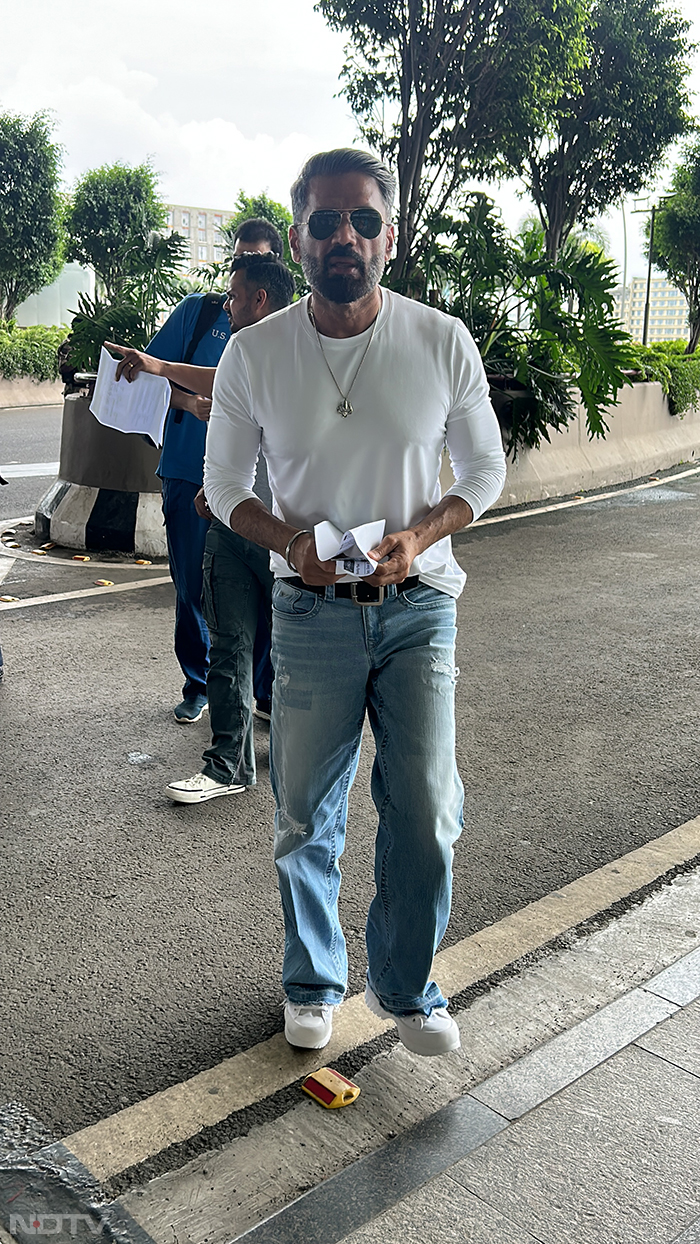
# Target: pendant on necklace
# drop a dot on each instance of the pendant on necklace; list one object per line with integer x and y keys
{"x": 344, "y": 408}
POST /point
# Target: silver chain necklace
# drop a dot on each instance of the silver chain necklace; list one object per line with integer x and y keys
{"x": 343, "y": 408}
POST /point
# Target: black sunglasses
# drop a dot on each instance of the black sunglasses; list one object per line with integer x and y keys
{"x": 366, "y": 221}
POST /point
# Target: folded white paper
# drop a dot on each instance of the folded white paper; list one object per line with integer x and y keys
{"x": 139, "y": 405}
{"x": 349, "y": 548}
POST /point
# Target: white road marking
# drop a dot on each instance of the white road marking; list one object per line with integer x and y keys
{"x": 6, "y": 567}
{"x": 136, "y": 1133}
{"x": 23, "y": 470}
{"x": 88, "y": 591}
{"x": 575, "y": 501}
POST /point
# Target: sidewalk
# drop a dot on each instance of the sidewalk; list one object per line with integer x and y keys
{"x": 570, "y": 1116}
{"x": 592, "y": 1137}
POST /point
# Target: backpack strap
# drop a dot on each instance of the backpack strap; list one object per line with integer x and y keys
{"x": 209, "y": 312}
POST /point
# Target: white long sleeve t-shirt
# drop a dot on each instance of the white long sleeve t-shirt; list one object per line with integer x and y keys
{"x": 422, "y": 385}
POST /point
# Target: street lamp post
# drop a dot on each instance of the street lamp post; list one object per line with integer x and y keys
{"x": 639, "y": 211}
{"x": 647, "y": 302}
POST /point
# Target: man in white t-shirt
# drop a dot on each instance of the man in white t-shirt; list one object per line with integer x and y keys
{"x": 351, "y": 394}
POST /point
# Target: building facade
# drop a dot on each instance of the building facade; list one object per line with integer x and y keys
{"x": 668, "y": 310}
{"x": 201, "y": 229}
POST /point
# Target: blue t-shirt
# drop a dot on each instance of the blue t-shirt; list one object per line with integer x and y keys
{"x": 182, "y": 456}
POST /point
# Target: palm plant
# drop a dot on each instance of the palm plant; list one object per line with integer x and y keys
{"x": 150, "y": 281}
{"x": 545, "y": 328}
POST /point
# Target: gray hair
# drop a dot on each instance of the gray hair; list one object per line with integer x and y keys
{"x": 334, "y": 164}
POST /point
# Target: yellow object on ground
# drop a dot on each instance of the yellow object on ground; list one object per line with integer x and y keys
{"x": 330, "y": 1089}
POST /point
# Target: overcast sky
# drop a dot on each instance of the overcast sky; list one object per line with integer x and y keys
{"x": 228, "y": 97}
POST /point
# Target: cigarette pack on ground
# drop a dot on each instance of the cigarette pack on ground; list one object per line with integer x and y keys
{"x": 330, "y": 1089}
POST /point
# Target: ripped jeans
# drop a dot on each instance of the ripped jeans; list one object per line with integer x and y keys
{"x": 334, "y": 661}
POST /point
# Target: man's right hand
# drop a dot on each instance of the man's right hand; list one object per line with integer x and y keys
{"x": 200, "y": 505}
{"x": 309, "y": 568}
{"x": 200, "y": 407}
{"x": 134, "y": 361}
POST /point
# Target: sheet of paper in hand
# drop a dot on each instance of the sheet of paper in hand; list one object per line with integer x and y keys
{"x": 137, "y": 406}
{"x": 349, "y": 548}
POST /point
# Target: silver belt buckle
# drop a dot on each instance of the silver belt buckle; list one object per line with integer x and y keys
{"x": 365, "y": 604}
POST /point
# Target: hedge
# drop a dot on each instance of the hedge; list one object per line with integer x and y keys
{"x": 677, "y": 372}
{"x": 31, "y": 352}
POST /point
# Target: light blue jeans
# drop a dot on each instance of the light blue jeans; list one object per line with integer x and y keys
{"x": 334, "y": 661}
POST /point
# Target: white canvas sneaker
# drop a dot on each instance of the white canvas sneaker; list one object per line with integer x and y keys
{"x": 199, "y": 788}
{"x": 309, "y": 1027}
{"x": 436, "y": 1033}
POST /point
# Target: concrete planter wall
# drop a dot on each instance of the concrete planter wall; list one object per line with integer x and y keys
{"x": 27, "y": 392}
{"x": 107, "y": 495}
{"x": 643, "y": 437}
{"x": 101, "y": 457}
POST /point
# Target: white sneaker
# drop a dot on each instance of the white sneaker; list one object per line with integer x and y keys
{"x": 308, "y": 1026}
{"x": 199, "y": 788}
{"x": 436, "y": 1033}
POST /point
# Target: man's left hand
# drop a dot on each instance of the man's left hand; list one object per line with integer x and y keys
{"x": 401, "y": 548}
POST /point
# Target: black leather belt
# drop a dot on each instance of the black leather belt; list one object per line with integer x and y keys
{"x": 361, "y": 593}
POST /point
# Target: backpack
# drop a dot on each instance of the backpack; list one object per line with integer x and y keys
{"x": 209, "y": 313}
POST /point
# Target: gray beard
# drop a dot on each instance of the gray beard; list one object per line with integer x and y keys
{"x": 344, "y": 287}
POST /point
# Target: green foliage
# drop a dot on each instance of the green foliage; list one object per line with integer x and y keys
{"x": 153, "y": 285}
{"x": 112, "y": 212}
{"x": 677, "y": 236}
{"x": 684, "y": 389}
{"x": 608, "y": 135}
{"x": 111, "y": 222}
{"x": 440, "y": 88}
{"x": 31, "y": 236}
{"x": 546, "y": 331}
{"x": 215, "y": 275}
{"x": 677, "y": 371}
{"x": 248, "y": 206}
{"x": 31, "y": 352}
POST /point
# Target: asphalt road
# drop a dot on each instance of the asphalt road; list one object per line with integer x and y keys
{"x": 142, "y": 941}
{"x": 27, "y": 434}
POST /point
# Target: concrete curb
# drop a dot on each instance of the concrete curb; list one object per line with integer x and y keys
{"x": 27, "y": 392}
{"x": 643, "y": 438}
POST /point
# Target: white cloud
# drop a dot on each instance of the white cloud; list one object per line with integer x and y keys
{"x": 222, "y": 98}
{"x": 231, "y": 98}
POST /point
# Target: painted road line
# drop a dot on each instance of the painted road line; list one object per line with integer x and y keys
{"x": 6, "y": 567}
{"x": 138, "y": 1132}
{"x": 88, "y": 591}
{"x": 23, "y": 470}
{"x": 576, "y": 501}
{"x": 481, "y": 522}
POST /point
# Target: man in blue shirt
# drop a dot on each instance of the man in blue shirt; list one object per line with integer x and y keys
{"x": 181, "y": 471}
{"x": 237, "y": 596}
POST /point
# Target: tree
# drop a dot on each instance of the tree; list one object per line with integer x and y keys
{"x": 677, "y": 236}
{"x": 154, "y": 284}
{"x": 442, "y": 87}
{"x": 606, "y": 137}
{"x": 30, "y": 209}
{"x": 215, "y": 274}
{"x": 112, "y": 212}
{"x": 111, "y": 223}
{"x": 260, "y": 205}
